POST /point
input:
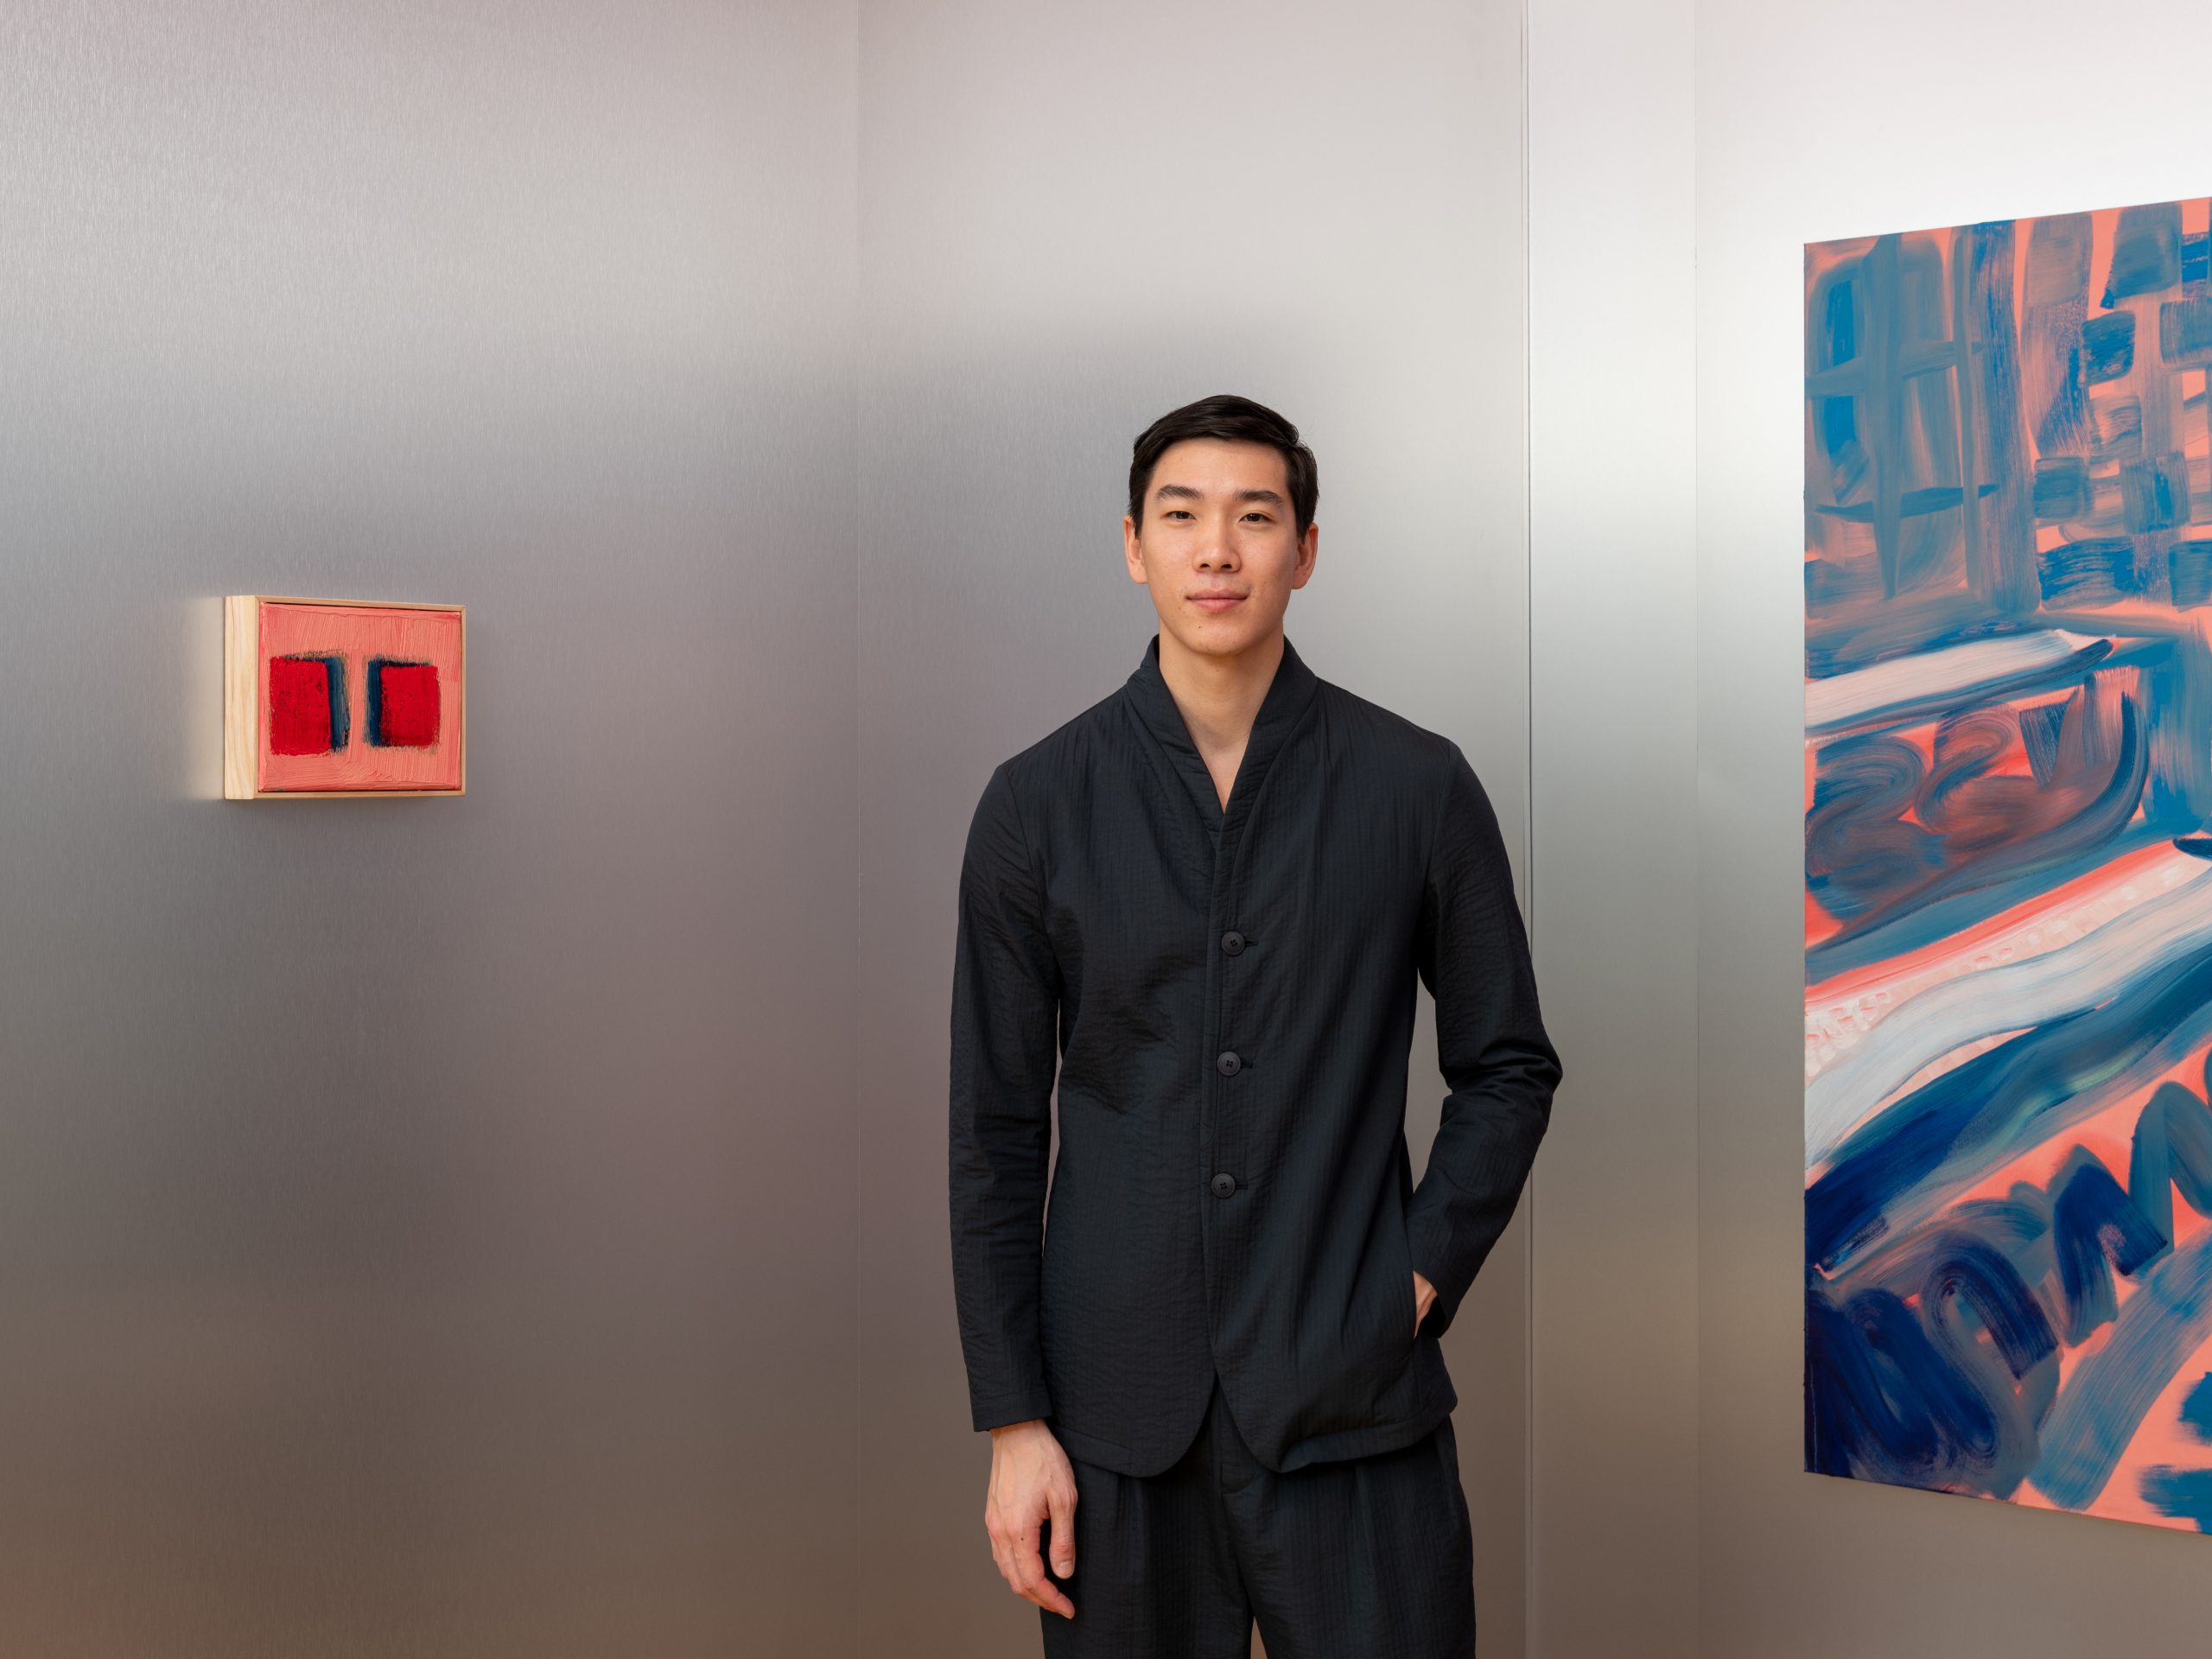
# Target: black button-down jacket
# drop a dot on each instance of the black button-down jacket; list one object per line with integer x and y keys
{"x": 1229, "y": 996}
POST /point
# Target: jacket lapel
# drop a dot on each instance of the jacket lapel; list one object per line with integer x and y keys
{"x": 1288, "y": 694}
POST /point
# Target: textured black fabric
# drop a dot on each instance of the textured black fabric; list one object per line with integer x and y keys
{"x": 1101, "y": 883}
{"x": 1364, "y": 1558}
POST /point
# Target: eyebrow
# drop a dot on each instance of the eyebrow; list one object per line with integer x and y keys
{"x": 1184, "y": 492}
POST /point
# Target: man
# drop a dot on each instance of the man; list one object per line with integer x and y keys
{"x": 1213, "y": 1383}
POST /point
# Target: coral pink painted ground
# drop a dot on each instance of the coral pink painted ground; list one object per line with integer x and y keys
{"x": 415, "y": 657}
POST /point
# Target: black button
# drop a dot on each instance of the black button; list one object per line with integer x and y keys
{"x": 1232, "y": 942}
{"x": 1227, "y": 1063}
{"x": 1224, "y": 1185}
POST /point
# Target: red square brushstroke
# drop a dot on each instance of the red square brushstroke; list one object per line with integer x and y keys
{"x": 299, "y": 705}
{"x": 408, "y": 713}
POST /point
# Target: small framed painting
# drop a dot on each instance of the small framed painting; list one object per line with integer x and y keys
{"x": 330, "y": 698}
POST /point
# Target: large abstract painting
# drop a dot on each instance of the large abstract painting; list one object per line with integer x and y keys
{"x": 2008, "y": 862}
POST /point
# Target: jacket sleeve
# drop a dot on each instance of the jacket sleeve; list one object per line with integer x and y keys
{"x": 1006, "y": 994}
{"x": 1490, "y": 1045}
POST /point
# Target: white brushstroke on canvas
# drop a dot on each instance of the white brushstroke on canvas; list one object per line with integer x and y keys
{"x": 2012, "y": 997}
{"x": 1863, "y": 693}
{"x": 1839, "y": 1013}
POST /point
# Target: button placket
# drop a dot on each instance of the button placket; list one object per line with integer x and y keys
{"x": 1228, "y": 1140}
{"x": 1229, "y": 1063}
{"x": 1224, "y": 1125}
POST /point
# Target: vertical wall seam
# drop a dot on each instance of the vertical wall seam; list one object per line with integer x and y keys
{"x": 1697, "y": 914}
{"x": 1528, "y": 839}
{"x": 854, "y": 325}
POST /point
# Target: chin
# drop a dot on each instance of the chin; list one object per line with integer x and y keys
{"x": 1225, "y": 636}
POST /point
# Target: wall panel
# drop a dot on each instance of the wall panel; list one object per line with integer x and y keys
{"x": 426, "y": 1227}
{"x": 1611, "y": 467}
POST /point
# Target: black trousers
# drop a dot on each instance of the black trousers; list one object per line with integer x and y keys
{"x": 1366, "y": 1558}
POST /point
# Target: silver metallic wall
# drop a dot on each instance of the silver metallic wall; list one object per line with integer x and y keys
{"x": 1074, "y": 219}
{"x": 1614, "y": 1523}
{"x": 426, "y": 1227}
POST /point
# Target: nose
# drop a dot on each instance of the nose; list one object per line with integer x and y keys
{"x": 1216, "y": 549}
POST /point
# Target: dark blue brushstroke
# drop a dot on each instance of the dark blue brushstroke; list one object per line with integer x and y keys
{"x": 2039, "y": 732}
{"x": 2189, "y": 572}
{"x": 1852, "y": 855}
{"x": 2108, "y": 346}
{"x": 2178, "y": 688}
{"x": 1842, "y": 325}
{"x": 2173, "y": 1147}
{"x": 1839, "y": 423}
{"x": 375, "y": 702}
{"x": 1979, "y": 1110}
{"x": 341, "y": 718}
{"x": 2145, "y": 251}
{"x": 1859, "y": 850}
{"x": 1879, "y": 1399}
{"x": 1909, "y": 929}
{"x": 2197, "y": 1407}
{"x": 1838, "y": 416}
{"x": 2098, "y": 571}
{"x": 2061, "y": 488}
{"x": 2195, "y": 268}
{"x": 2113, "y": 1387}
{"x": 2154, "y": 493}
{"x": 1974, "y": 1289}
{"x": 1913, "y": 504}
{"x": 1835, "y": 345}
{"x": 2096, "y": 1228}
{"x": 1918, "y": 1398}
{"x": 377, "y": 666}
{"x": 2185, "y": 333}
{"x": 2184, "y": 1494}
{"x": 1967, "y": 1267}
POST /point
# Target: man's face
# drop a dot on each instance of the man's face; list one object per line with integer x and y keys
{"x": 1219, "y": 548}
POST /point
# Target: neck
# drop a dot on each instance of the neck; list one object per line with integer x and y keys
{"x": 1219, "y": 693}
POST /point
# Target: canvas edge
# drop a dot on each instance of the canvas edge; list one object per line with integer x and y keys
{"x": 241, "y": 695}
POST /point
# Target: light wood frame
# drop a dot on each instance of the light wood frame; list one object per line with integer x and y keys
{"x": 243, "y": 713}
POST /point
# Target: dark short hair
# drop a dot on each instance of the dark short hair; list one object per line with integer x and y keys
{"x": 1238, "y": 420}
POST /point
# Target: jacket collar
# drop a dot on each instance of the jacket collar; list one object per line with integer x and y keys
{"x": 1288, "y": 697}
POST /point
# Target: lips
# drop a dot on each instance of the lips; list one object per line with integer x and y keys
{"x": 1216, "y": 601}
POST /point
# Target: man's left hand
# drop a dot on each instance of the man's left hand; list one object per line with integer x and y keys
{"x": 1424, "y": 1294}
